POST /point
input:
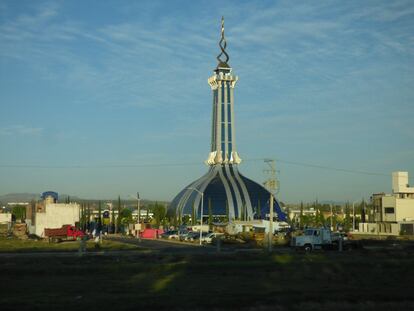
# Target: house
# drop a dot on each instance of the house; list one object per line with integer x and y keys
{"x": 393, "y": 213}
{"x": 50, "y": 214}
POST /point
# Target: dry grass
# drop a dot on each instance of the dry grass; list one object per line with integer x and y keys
{"x": 324, "y": 281}
{"x": 16, "y": 245}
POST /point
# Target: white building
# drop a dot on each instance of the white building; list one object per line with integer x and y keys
{"x": 294, "y": 214}
{"x": 393, "y": 213}
{"x": 238, "y": 226}
{"x": 55, "y": 215}
{"x": 5, "y": 218}
{"x": 50, "y": 214}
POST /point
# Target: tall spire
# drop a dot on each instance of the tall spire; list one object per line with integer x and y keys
{"x": 222, "y": 82}
{"x": 223, "y": 45}
{"x": 231, "y": 195}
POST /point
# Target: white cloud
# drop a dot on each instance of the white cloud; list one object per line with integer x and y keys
{"x": 21, "y": 130}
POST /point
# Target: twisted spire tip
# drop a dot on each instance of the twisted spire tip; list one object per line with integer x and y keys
{"x": 223, "y": 45}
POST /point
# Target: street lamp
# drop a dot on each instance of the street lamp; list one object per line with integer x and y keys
{"x": 331, "y": 218}
{"x": 139, "y": 211}
{"x": 202, "y": 203}
{"x": 139, "y": 215}
{"x": 138, "y": 207}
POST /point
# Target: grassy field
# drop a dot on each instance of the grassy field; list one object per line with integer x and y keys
{"x": 16, "y": 245}
{"x": 321, "y": 281}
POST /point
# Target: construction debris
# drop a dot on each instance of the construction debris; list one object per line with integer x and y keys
{"x": 20, "y": 231}
{"x": 4, "y": 230}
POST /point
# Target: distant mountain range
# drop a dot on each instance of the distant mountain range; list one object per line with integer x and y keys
{"x": 27, "y": 197}
{"x": 332, "y": 202}
{"x": 19, "y": 197}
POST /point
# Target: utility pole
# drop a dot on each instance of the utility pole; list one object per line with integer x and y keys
{"x": 272, "y": 186}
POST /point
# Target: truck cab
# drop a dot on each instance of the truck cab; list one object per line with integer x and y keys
{"x": 313, "y": 238}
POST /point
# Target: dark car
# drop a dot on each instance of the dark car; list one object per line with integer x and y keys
{"x": 167, "y": 234}
{"x": 193, "y": 235}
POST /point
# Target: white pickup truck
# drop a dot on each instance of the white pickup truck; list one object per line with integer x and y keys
{"x": 315, "y": 238}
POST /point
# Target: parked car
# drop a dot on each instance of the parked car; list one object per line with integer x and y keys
{"x": 192, "y": 236}
{"x": 183, "y": 237}
{"x": 167, "y": 234}
{"x": 177, "y": 234}
{"x": 210, "y": 237}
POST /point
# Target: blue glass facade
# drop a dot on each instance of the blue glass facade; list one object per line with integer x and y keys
{"x": 214, "y": 120}
{"x": 223, "y": 202}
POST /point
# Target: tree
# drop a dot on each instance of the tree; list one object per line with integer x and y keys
{"x": 259, "y": 209}
{"x": 88, "y": 217}
{"x": 159, "y": 213}
{"x": 301, "y": 216}
{"x": 287, "y": 210}
{"x": 125, "y": 216}
{"x": 19, "y": 212}
{"x": 81, "y": 222}
{"x": 210, "y": 214}
{"x": 180, "y": 218}
{"x": 308, "y": 220}
{"x": 83, "y": 216}
{"x": 165, "y": 219}
{"x": 173, "y": 220}
{"x": 186, "y": 219}
{"x": 363, "y": 212}
{"x": 347, "y": 220}
{"x": 227, "y": 211}
{"x": 112, "y": 218}
{"x": 99, "y": 213}
{"x": 334, "y": 217}
{"x": 320, "y": 219}
{"x": 317, "y": 215}
{"x": 193, "y": 215}
{"x": 118, "y": 220}
{"x": 32, "y": 207}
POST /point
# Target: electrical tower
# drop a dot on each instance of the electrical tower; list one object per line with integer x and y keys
{"x": 272, "y": 184}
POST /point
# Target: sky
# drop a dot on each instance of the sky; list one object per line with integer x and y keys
{"x": 107, "y": 98}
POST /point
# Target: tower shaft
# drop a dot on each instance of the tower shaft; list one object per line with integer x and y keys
{"x": 223, "y": 143}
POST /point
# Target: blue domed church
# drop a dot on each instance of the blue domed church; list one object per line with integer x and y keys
{"x": 225, "y": 192}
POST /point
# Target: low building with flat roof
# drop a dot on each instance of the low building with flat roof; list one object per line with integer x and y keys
{"x": 48, "y": 213}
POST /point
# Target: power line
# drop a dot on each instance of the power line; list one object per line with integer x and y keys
{"x": 149, "y": 165}
{"x": 335, "y": 168}
{"x": 324, "y": 167}
{"x": 95, "y": 166}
